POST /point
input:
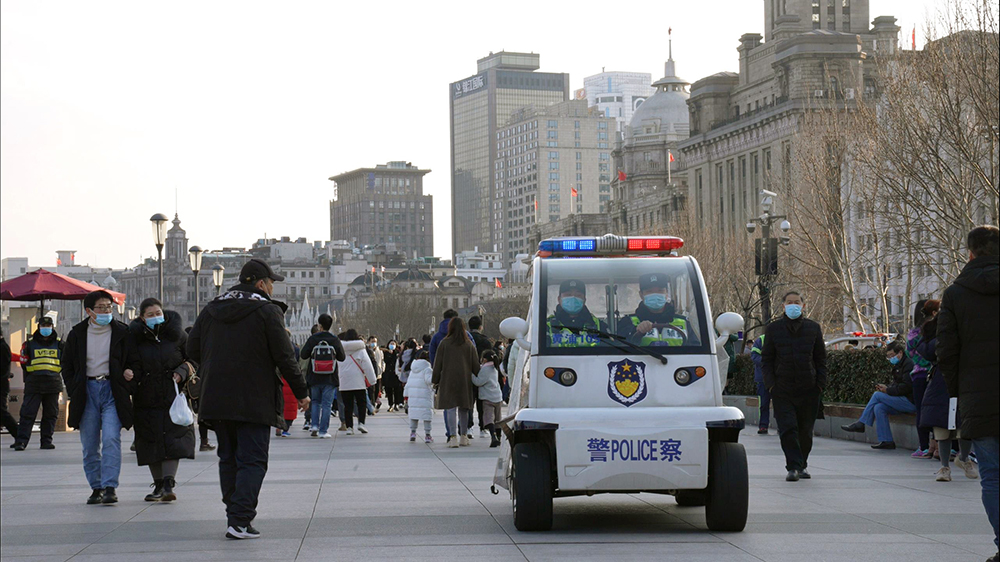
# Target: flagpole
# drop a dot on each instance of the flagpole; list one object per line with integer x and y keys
{"x": 669, "y": 160}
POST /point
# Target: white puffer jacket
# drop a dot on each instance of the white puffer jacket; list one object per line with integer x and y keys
{"x": 357, "y": 368}
{"x": 489, "y": 385}
{"x": 418, "y": 390}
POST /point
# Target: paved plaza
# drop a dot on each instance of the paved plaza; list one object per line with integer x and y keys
{"x": 379, "y": 497}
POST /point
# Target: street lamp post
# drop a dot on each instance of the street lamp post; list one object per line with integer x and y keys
{"x": 218, "y": 272}
{"x": 766, "y": 249}
{"x": 159, "y": 221}
{"x": 195, "y": 254}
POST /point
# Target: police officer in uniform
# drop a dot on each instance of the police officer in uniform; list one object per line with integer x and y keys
{"x": 41, "y": 361}
{"x": 654, "y": 322}
{"x": 572, "y": 311}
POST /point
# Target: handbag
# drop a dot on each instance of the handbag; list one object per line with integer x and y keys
{"x": 180, "y": 412}
{"x": 192, "y": 387}
{"x": 367, "y": 384}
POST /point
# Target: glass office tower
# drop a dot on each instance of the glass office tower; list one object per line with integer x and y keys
{"x": 480, "y": 106}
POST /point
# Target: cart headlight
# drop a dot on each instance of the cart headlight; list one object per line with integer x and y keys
{"x": 682, "y": 376}
{"x": 563, "y": 376}
{"x": 567, "y": 377}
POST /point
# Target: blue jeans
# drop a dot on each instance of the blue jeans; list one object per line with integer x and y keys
{"x": 988, "y": 454}
{"x": 340, "y": 403}
{"x": 878, "y": 410}
{"x": 101, "y": 436}
{"x": 322, "y": 402}
{"x": 765, "y": 405}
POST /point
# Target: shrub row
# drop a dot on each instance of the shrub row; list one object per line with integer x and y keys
{"x": 851, "y": 375}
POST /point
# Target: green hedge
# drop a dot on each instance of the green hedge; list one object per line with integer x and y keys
{"x": 851, "y": 375}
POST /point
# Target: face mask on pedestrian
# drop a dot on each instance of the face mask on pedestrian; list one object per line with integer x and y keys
{"x": 45, "y": 331}
{"x": 102, "y": 319}
{"x": 895, "y": 359}
{"x": 793, "y": 311}
{"x": 392, "y": 347}
{"x": 572, "y": 305}
{"x": 373, "y": 345}
{"x": 154, "y": 321}
{"x": 655, "y": 301}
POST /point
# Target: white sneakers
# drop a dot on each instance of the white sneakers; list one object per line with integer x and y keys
{"x": 350, "y": 431}
{"x": 325, "y": 436}
{"x": 463, "y": 441}
{"x": 483, "y": 434}
{"x": 362, "y": 428}
{"x": 969, "y": 467}
{"x": 943, "y": 474}
{"x": 453, "y": 442}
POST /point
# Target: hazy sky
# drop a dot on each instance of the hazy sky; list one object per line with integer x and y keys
{"x": 246, "y": 108}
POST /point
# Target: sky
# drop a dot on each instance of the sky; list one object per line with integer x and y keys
{"x": 240, "y": 111}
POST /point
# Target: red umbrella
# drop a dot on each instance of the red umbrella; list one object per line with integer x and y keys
{"x": 42, "y": 285}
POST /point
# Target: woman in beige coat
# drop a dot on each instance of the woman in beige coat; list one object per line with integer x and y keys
{"x": 455, "y": 362}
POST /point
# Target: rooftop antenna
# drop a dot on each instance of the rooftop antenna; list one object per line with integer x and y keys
{"x": 175, "y": 201}
{"x": 670, "y": 43}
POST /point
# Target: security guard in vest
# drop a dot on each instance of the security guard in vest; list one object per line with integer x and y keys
{"x": 41, "y": 358}
{"x": 654, "y": 322}
{"x": 572, "y": 311}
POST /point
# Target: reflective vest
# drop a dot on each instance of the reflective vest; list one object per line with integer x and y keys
{"x": 567, "y": 338}
{"x": 755, "y": 348}
{"x": 42, "y": 360}
{"x": 671, "y": 336}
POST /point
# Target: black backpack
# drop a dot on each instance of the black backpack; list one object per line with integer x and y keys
{"x": 323, "y": 359}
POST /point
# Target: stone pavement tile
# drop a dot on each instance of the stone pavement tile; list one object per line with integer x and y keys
{"x": 399, "y": 526}
{"x": 630, "y": 551}
{"x": 980, "y": 544}
{"x": 846, "y": 548}
{"x": 321, "y": 549}
{"x": 40, "y": 558}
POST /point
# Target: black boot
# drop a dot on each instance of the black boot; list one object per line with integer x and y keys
{"x": 494, "y": 436}
{"x": 157, "y": 493}
{"x": 168, "y": 489}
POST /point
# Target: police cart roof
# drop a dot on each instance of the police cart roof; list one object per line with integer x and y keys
{"x": 609, "y": 245}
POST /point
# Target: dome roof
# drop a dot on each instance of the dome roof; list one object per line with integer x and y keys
{"x": 413, "y": 274}
{"x": 666, "y": 111}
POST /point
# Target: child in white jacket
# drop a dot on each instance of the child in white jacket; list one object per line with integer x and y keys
{"x": 488, "y": 381}
{"x": 356, "y": 374}
{"x": 420, "y": 395}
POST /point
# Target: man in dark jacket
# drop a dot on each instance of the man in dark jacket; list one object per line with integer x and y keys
{"x": 8, "y": 421}
{"x": 322, "y": 385}
{"x": 41, "y": 363}
{"x": 969, "y": 358}
{"x": 97, "y": 367}
{"x": 240, "y": 343}
{"x": 793, "y": 362}
{"x": 888, "y": 400}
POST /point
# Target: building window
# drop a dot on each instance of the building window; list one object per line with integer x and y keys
{"x": 552, "y": 124}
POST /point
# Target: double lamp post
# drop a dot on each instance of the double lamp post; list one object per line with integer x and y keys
{"x": 195, "y": 253}
{"x": 766, "y": 249}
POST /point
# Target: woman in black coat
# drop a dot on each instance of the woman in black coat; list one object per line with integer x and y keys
{"x": 159, "y": 443}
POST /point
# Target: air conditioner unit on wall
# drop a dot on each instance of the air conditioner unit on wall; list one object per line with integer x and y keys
{"x": 818, "y": 93}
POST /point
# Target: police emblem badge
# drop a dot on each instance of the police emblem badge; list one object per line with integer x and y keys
{"x": 627, "y": 382}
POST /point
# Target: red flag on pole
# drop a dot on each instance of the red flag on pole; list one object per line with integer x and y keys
{"x": 670, "y": 155}
{"x": 914, "y": 36}
{"x": 536, "y": 204}
{"x": 573, "y": 191}
{"x": 622, "y": 176}
{"x": 499, "y": 286}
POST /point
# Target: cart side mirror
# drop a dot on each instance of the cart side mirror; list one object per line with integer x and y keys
{"x": 727, "y": 323}
{"x": 516, "y": 329}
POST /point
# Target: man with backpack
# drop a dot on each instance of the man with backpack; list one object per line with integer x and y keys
{"x": 323, "y": 350}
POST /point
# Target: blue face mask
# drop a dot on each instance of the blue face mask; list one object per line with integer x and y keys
{"x": 46, "y": 332}
{"x": 572, "y": 305}
{"x": 894, "y": 360}
{"x": 154, "y": 321}
{"x": 655, "y": 301}
{"x": 793, "y": 311}
{"x": 103, "y": 319}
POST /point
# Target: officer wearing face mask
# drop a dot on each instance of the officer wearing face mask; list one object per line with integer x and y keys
{"x": 572, "y": 311}
{"x": 655, "y": 321}
{"x": 41, "y": 358}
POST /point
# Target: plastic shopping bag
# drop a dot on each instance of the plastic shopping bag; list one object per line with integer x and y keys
{"x": 180, "y": 413}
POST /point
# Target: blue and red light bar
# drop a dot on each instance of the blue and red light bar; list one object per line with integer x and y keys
{"x": 609, "y": 245}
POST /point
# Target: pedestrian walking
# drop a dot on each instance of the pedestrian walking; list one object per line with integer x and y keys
{"x": 390, "y": 380}
{"x": 238, "y": 341}
{"x": 99, "y": 364}
{"x": 483, "y": 344}
{"x": 888, "y": 400}
{"x": 925, "y": 310}
{"x": 8, "y": 421}
{"x": 487, "y": 380}
{"x": 455, "y": 361}
{"x": 323, "y": 350}
{"x": 403, "y": 365}
{"x": 378, "y": 361}
{"x": 763, "y": 394}
{"x": 794, "y": 364}
{"x": 159, "y": 442}
{"x": 304, "y": 367}
{"x": 969, "y": 358}
{"x": 41, "y": 363}
{"x": 356, "y": 372}
{"x": 420, "y": 394}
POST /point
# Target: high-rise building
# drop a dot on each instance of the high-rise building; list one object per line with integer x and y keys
{"x": 384, "y": 205}
{"x": 552, "y": 162}
{"x": 480, "y": 105}
{"x": 618, "y": 94}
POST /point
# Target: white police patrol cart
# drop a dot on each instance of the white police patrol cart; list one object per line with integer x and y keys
{"x": 616, "y": 384}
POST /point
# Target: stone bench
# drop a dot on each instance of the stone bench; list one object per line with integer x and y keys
{"x": 904, "y": 426}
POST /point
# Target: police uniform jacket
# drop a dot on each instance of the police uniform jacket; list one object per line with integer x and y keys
{"x": 41, "y": 362}
{"x": 627, "y": 325}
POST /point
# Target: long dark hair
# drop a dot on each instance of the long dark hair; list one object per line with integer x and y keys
{"x": 410, "y": 344}
{"x": 929, "y": 328}
{"x": 492, "y": 357}
{"x": 456, "y": 331}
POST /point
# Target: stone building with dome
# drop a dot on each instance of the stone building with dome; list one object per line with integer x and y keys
{"x": 744, "y": 126}
{"x": 651, "y": 188}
